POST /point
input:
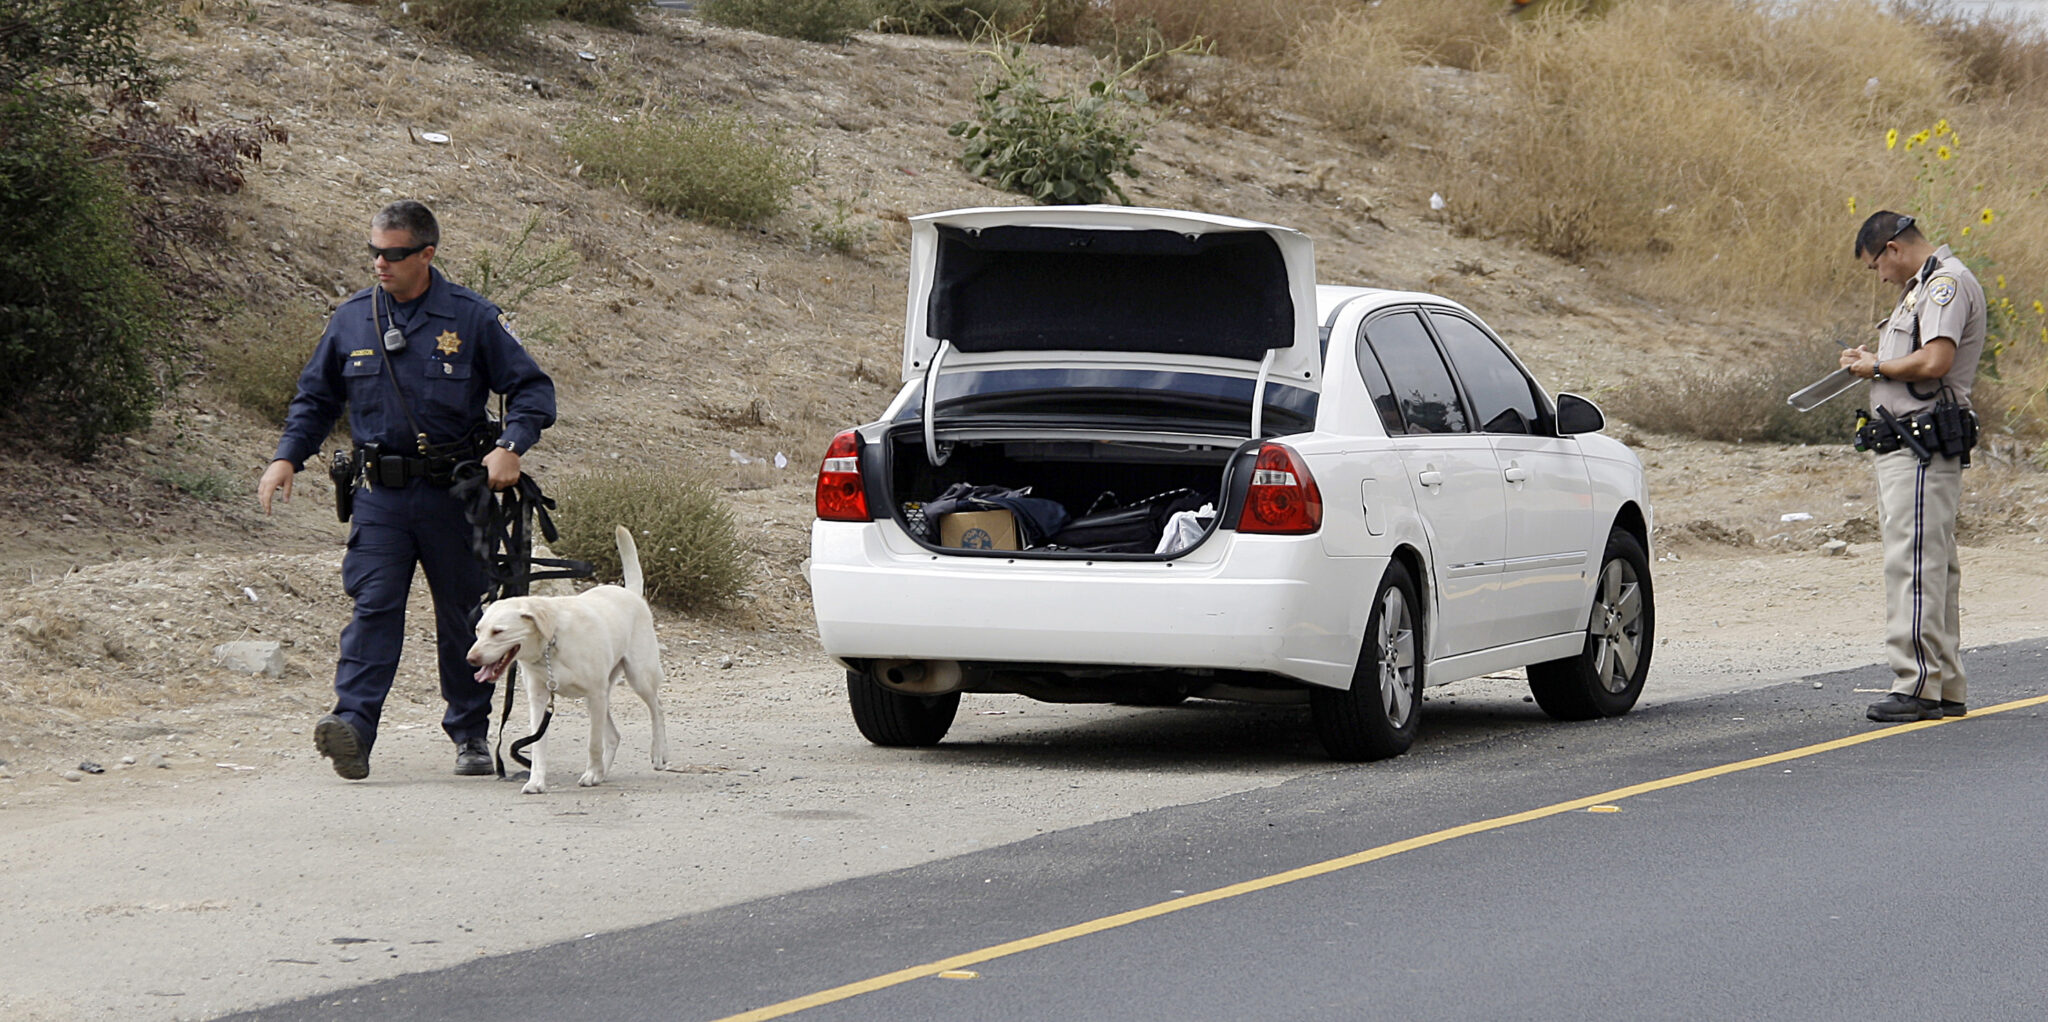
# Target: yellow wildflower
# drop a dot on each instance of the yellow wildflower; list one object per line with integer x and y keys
{"x": 2039, "y": 310}
{"x": 1941, "y": 126}
{"x": 1920, "y": 137}
{"x": 1944, "y": 152}
{"x": 1852, "y": 205}
{"x": 1891, "y": 138}
{"x": 1966, "y": 232}
{"x": 1987, "y": 216}
{"x": 2001, "y": 282}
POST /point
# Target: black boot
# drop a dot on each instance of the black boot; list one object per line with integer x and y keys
{"x": 1898, "y": 708}
{"x": 338, "y": 740}
{"x": 473, "y": 757}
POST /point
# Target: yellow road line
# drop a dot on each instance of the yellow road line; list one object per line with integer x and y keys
{"x": 1137, "y": 915}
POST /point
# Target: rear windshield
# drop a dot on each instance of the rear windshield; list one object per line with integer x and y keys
{"x": 1158, "y": 397}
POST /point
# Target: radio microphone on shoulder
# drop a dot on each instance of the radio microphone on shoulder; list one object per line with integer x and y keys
{"x": 394, "y": 339}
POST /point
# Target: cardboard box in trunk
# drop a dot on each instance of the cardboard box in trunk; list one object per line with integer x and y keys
{"x": 979, "y": 530}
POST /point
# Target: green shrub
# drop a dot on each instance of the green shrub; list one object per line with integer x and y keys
{"x": 1741, "y": 405}
{"x": 80, "y": 319}
{"x": 607, "y": 13}
{"x": 839, "y": 231}
{"x": 257, "y": 362}
{"x": 714, "y": 168}
{"x": 1032, "y": 139}
{"x": 691, "y": 555}
{"x": 817, "y": 21}
{"x": 471, "y": 22}
{"x": 208, "y": 486}
{"x": 509, "y": 276}
{"x": 1062, "y": 22}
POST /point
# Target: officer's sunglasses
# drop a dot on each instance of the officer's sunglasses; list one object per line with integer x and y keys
{"x": 395, "y": 254}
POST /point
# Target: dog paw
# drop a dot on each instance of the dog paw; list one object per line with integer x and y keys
{"x": 590, "y": 779}
{"x": 534, "y": 788}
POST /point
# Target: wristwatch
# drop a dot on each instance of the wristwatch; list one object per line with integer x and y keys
{"x": 1876, "y": 373}
{"x": 506, "y": 443}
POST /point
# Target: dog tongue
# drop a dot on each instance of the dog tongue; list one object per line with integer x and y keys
{"x": 489, "y": 672}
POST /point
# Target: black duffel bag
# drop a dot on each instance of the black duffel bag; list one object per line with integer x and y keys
{"x": 1132, "y": 528}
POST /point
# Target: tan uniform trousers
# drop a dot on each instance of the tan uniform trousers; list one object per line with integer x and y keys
{"x": 1917, "y": 519}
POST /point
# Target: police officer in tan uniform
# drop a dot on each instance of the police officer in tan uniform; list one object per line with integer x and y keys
{"x": 1927, "y": 353}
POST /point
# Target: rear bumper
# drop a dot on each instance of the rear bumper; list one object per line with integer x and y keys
{"x": 1277, "y": 604}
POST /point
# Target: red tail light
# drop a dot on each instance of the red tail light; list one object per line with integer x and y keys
{"x": 1282, "y": 498}
{"x": 842, "y": 497}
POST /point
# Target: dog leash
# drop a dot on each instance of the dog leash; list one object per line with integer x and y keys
{"x": 501, "y": 536}
{"x": 547, "y": 658}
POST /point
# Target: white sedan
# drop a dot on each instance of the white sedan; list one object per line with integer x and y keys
{"x": 1141, "y": 456}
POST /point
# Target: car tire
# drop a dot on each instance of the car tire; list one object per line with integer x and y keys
{"x": 1376, "y": 717}
{"x": 891, "y": 718}
{"x": 1606, "y": 677}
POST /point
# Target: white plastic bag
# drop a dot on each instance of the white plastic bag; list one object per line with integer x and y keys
{"x": 1184, "y": 528}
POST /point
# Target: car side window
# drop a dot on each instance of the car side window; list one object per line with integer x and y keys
{"x": 1503, "y": 397}
{"x": 1421, "y": 383}
{"x": 1381, "y": 391}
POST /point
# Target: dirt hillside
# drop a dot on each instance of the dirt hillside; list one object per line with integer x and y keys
{"x": 680, "y": 345}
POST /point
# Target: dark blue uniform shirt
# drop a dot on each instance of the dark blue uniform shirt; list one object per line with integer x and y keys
{"x": 457, "y": 354}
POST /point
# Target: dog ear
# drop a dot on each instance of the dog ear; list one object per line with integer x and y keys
{"x": 543, "y": 621}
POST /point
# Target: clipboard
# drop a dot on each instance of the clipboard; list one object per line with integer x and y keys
{"x": 1823, "y": 390}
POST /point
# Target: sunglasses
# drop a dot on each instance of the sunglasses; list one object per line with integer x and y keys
{"x": 395, "y": 254}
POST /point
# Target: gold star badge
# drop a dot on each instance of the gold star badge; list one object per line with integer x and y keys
{"x": 448, "y": 344}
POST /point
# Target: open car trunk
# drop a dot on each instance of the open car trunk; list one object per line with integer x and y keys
{"x": 1083, "y": 378}
{"x": 1062, "y": 498}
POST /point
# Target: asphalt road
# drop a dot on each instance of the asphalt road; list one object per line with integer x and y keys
{"x": 1765, "y": 854}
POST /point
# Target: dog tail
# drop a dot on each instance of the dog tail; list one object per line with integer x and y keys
{"x": 629, "y": 557}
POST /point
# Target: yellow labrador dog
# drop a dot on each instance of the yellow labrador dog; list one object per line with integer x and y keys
{"x": 578, "y": 646}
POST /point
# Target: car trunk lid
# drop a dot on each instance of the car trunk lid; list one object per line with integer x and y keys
{"x": 1076, "y": 287}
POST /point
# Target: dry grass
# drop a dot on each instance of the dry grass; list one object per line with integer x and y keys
{"x": 1357, "y": 75}
{"x": 1717, "y": 152}
{"x": 1997, "y": 55}
{"x": 1256, "y": 29}
{"x": 1747, "y": 404}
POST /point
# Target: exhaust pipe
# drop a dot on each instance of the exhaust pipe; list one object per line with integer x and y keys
{"x": 920, "y": 677}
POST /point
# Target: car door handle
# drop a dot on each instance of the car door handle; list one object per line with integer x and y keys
{"x": 1430, "y": 477}
{"x": 1516, "y": 474}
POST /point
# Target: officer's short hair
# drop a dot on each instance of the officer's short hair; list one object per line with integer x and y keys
{"x": 411, "y": 216}
{"x": 1883, "y": 226}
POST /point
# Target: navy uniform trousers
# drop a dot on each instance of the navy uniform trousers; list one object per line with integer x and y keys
{"x": 423, "y": 524}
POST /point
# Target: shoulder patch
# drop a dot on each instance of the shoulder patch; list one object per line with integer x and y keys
{"x": 1941, "y": 290}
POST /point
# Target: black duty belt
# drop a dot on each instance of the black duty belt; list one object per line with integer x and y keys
{"x": 383, "y": 468}
{"x": 1946, "y": 430}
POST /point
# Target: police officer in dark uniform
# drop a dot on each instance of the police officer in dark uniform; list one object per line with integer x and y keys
{"x": 414, "y": 359}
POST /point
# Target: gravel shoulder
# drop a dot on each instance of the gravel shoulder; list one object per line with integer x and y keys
{"x": 242, "y": 872}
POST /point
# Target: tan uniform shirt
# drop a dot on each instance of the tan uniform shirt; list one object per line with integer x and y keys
{"x": 1944, "y": 300}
